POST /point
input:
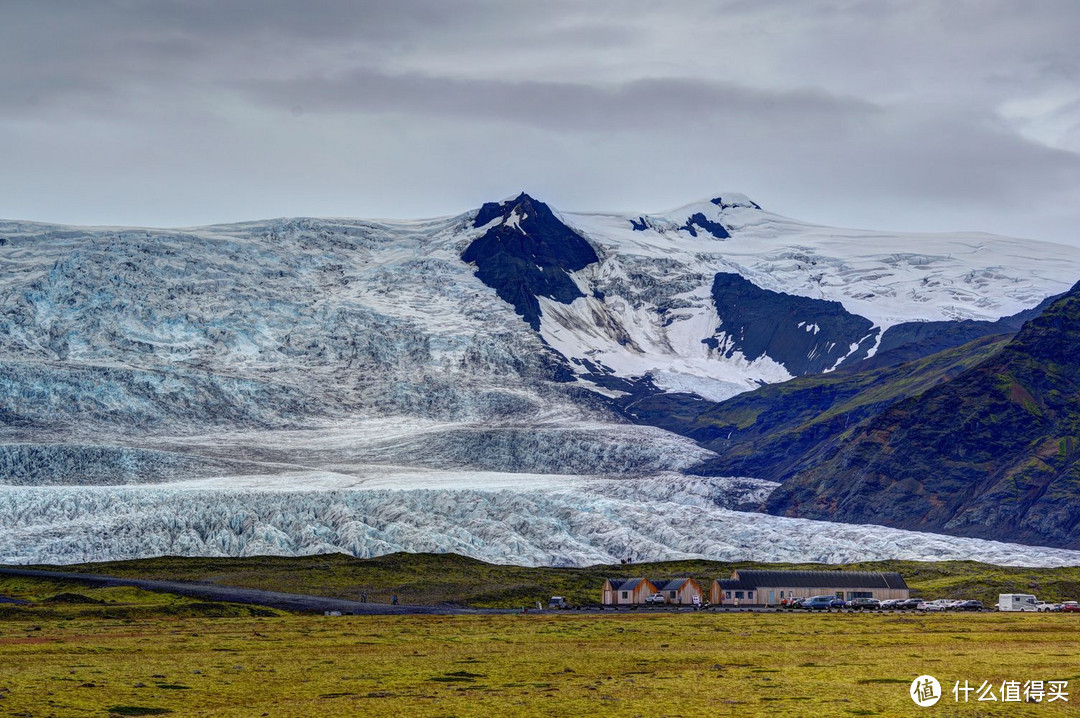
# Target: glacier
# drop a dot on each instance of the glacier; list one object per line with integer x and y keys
{"x": 301, "y": 385}
{"x": 521, "y": 519}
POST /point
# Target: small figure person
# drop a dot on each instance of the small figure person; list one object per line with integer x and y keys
{"x": 363, "y": 597}
{"x": 393, "y": 600}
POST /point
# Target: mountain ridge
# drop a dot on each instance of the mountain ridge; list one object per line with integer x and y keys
{"x": 1007, "y": 464}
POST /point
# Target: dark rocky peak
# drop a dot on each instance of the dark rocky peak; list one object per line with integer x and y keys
{"x": 523, "y": 206}
{"x": 529, "y": 253}
{"x": 530, "y": 231}
{"x": 735, "y": 200}
{"x": 698, "y": 219}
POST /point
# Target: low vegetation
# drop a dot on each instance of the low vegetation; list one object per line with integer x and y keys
{"x": 451, "y": 579}
{"x": 73, "y": 649}
{"x": 45, "y": 599}
{"x": 524, "y": 664}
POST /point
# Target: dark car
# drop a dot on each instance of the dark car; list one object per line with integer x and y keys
{"x": 864, "y": 604}
{"x": 909, "y": 604}
{"x": 971, "y": 605}
{"x": 838, "y": 603}
{"x": 1070, "y": 607}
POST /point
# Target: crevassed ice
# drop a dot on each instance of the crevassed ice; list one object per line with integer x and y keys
{"x": 530, "y": 520}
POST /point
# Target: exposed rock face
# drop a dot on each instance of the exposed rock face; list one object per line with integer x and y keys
{"x": 805, "y": 335}
{"x": 779, "y": 430}
{"x": 911, "y": 340}
{"x": 992, "y": 453}
{"x": 528, "y": 254}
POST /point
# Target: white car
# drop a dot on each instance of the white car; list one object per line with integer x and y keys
{"x": 938, "y": 605}
{"x": 1043, "y": 606}
{"x": 657, "y": 599}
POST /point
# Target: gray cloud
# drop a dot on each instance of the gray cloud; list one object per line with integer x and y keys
{"x": 916, "y": 114}
{"x": 666, "y": 104}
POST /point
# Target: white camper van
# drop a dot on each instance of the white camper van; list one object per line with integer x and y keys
{"x": 1017, "y": 602}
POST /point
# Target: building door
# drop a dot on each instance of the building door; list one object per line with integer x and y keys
{"x": 772, "y": 597}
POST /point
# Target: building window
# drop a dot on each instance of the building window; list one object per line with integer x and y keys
{"x": 625, "y": 594}
{"x": 727, "y": 594}
{"x": 673, "y": 593}
{"x": 738, "y": 594}
{"x": 750, "y": 595}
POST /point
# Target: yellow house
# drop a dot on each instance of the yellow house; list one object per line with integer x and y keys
{"x": 680, "y": 591}
{"x": 627, "y": 591}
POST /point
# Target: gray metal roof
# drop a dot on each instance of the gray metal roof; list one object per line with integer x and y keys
{"x": 816, "y": 579}
{"x": 673, "y": 584}
{"x": 625, "y": 584}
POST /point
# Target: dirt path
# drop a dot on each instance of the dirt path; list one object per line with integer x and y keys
{"x": 273, "y": 599}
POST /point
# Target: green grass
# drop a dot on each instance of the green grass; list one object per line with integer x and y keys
{"x": 51, "y": 599}
{"x": 124, "y": 651}
{"x": 448, "y": 578}
{"x": 605, "y": 665}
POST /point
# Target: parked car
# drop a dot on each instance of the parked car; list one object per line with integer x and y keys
{"x": 558, "y": 602}
{"x": 970, "y": 605}
{"x": 953, "y": 604}
{"x": 1070, "y": 607}
{"x": 938, "y": 605}
{"x": 819, "y": 602}
{"x": 864, "y": 604}
{"x": 889, "y": 604}
{"x": 656, "y": 599}
{"x": 838, "y": 603}
{"x": 909, "y": 604}
{"x": 1046, "y": 606}
{"x": 796, "y": 602}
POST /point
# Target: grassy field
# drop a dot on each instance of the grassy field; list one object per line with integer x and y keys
{"x": 448, "y": 578}
{"x": 75, "y": 650}
{"x": 80, "y": 660}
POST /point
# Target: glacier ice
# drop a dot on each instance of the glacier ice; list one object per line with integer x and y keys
{"x": 502, "y": 518}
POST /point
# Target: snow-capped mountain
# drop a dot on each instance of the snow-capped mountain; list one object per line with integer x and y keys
{"x": 489, "y": 342}
{"x": 719, "y": 296}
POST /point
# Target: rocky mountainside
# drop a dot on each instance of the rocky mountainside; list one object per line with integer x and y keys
{"x": 992, "y": 452}
{"x": 781, "y": 429}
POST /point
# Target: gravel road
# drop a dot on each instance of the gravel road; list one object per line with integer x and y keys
{"x": 232, "y": 594}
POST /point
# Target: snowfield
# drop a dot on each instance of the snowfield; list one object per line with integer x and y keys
{"x": 295, "y": 386}
{"x": 655, "y": 278}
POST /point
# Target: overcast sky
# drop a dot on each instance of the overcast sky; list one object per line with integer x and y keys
{"x": 950, "y": 115}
